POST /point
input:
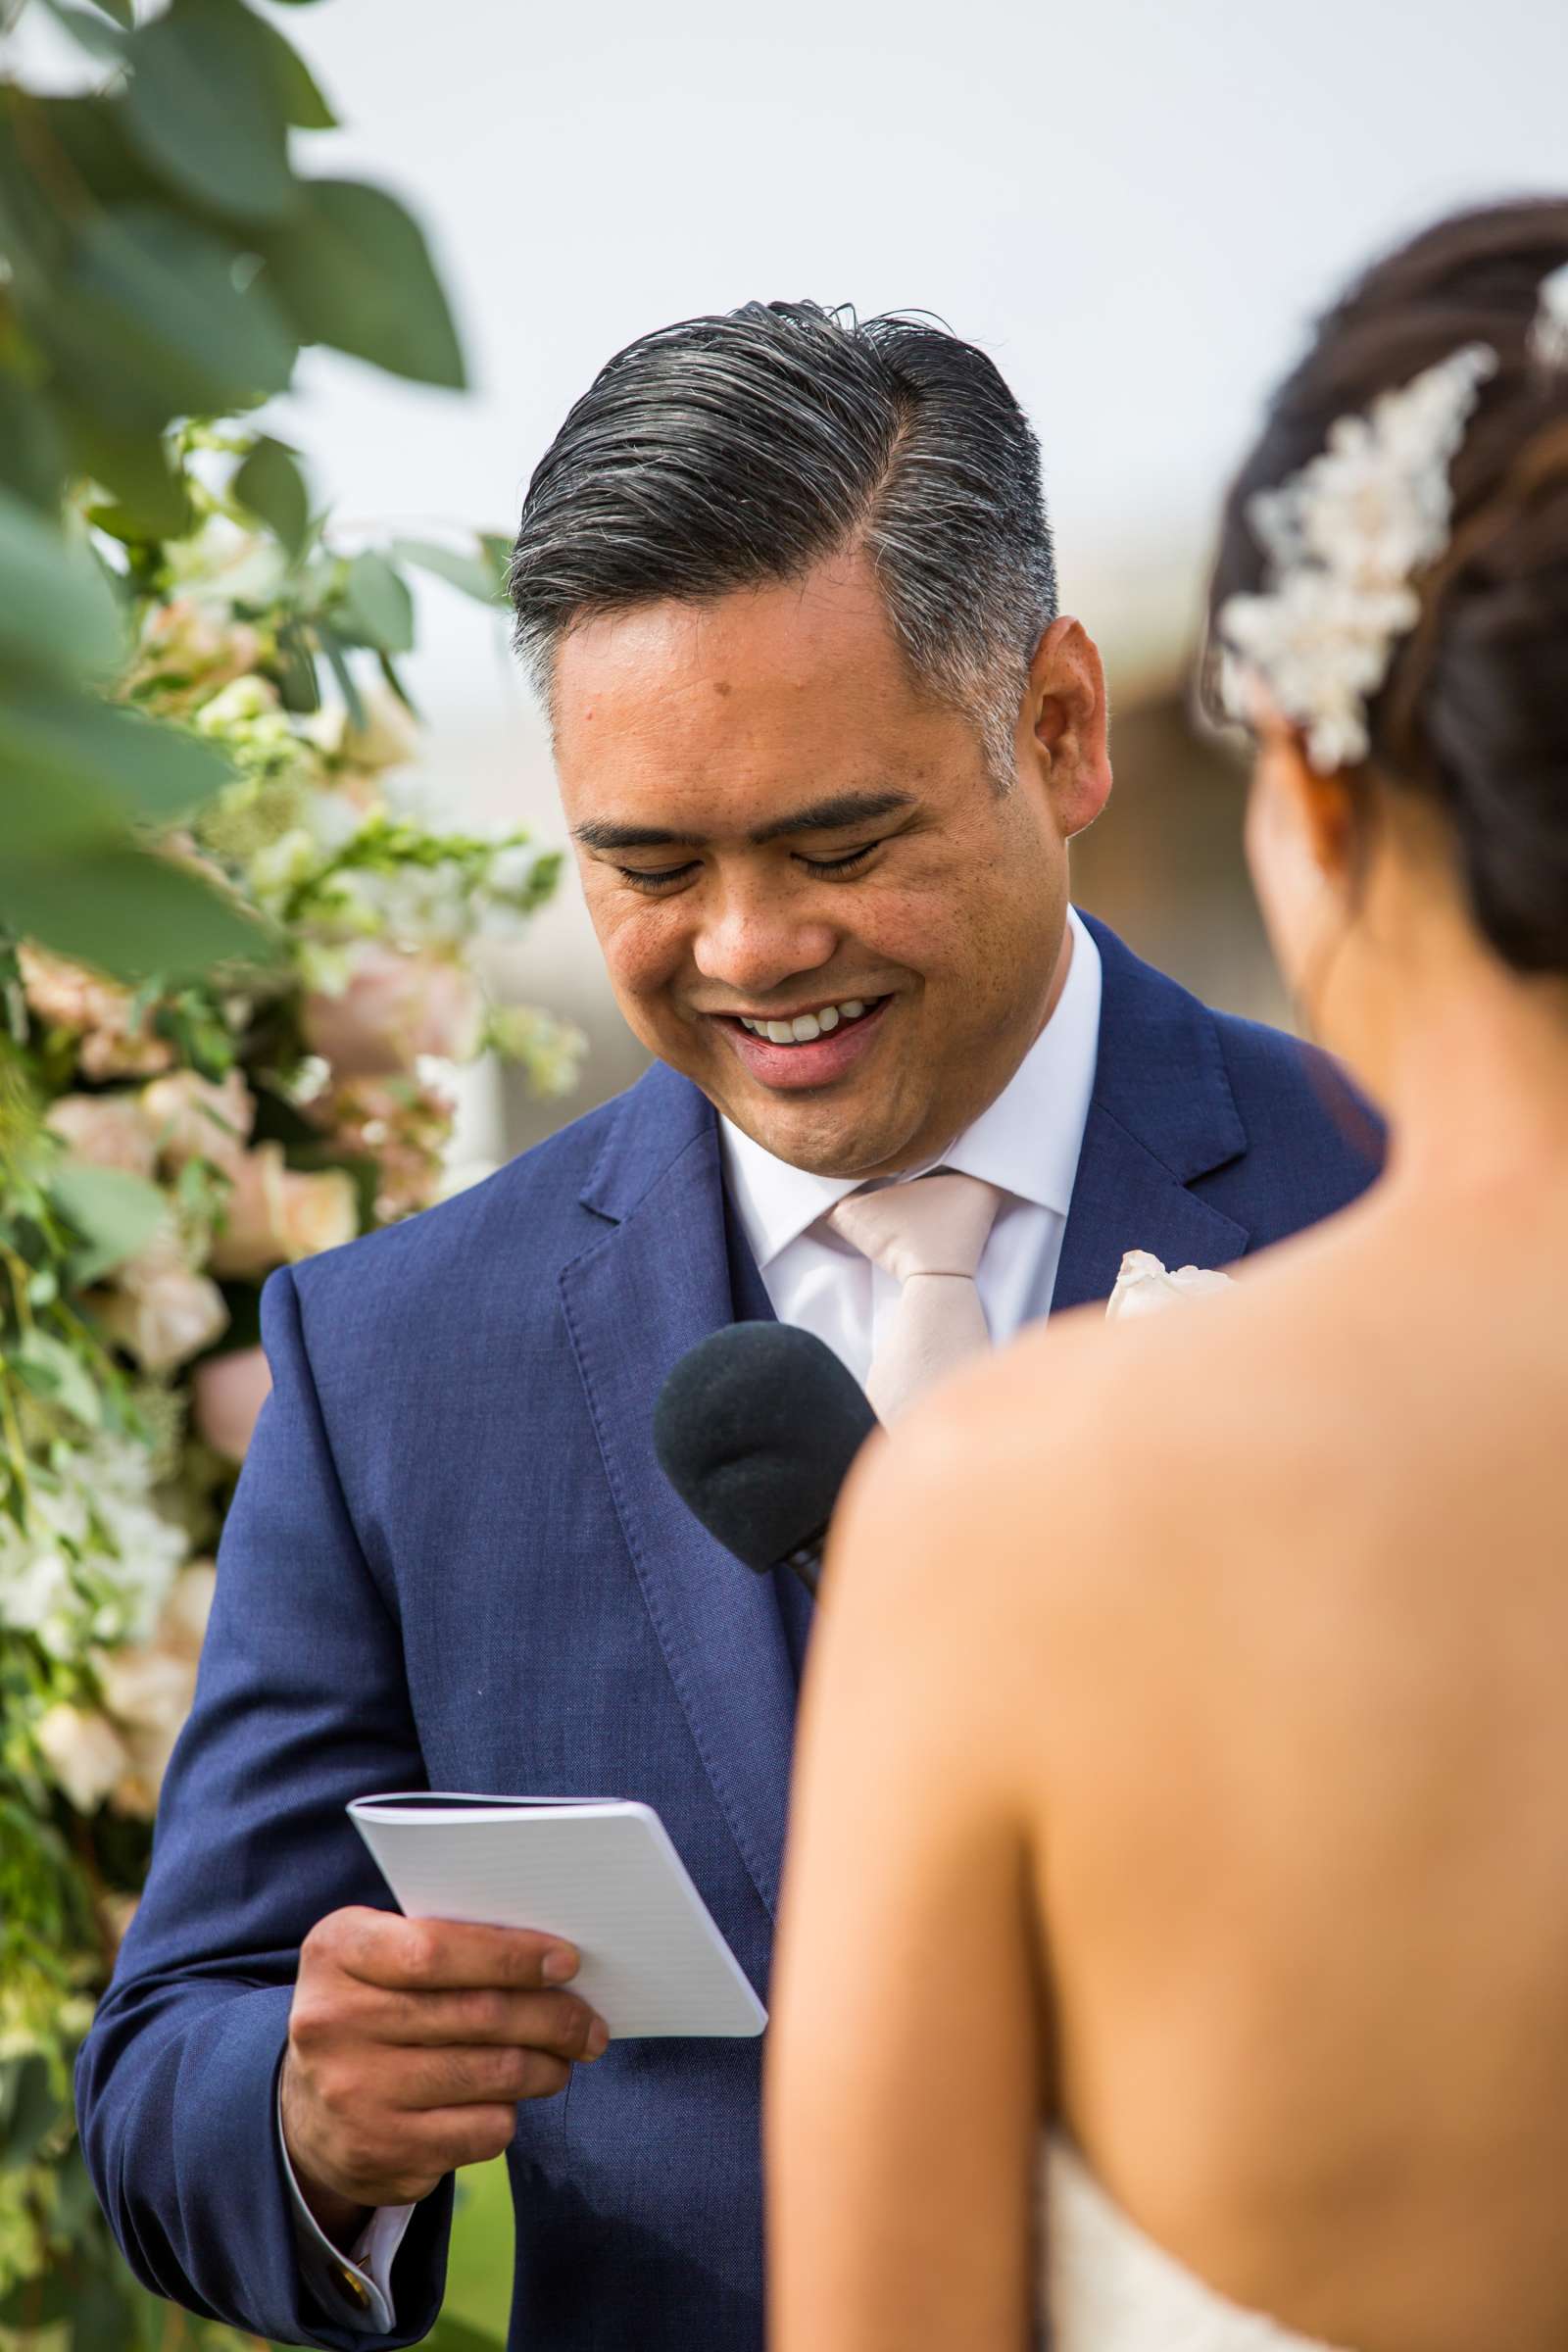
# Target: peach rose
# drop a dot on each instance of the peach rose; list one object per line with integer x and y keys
{"x": 395, "y": 1007}
{"x": 229, "y": 1393}
{"x": 160, "y": 1309}
{"x": 107, "y": 1130}
{"x": 115, "y": 1041}
{"x": 84, "y": 1752}
{"x": 275, "y": 1214}
{"x": 247, "y": 1238}
{"x": 148, "y": 1687}
{"x": 197, "y": 1118}
{"x": 321, "y": 1211}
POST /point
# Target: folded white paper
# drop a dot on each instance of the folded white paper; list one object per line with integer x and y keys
{"x": 599, "y": 1872}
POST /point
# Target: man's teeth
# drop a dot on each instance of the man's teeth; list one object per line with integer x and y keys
{"x": 807, "y": 1027}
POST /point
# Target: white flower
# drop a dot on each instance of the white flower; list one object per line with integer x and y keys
{"x": 96, "y": 1558}
{"x": 221, "y": 565}
{"x": 1549, "y": 333}
{"x": 1144, "y": 1288}
{"x": 1346, "y": 538}
{"x": 84, "y": 1752}
{"x": 240, "y": 706}
{"x": 389, "y": 738}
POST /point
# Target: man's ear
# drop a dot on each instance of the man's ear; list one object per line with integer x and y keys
{"x": 1065, "y": 724}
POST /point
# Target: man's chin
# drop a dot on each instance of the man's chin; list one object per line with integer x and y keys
{"x": 822, "y": 1141}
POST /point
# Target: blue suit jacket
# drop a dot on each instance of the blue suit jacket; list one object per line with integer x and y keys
{"x": 452, "y": 1562}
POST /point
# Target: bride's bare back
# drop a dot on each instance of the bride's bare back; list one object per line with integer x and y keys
{"x": 1300, "y": 1773}
{"x": 1230, "y": 1645}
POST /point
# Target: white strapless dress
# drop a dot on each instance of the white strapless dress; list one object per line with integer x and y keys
{"x": 1106, "y": 2287}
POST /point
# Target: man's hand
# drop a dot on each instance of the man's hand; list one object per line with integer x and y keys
{"x": 409, "y": 2043}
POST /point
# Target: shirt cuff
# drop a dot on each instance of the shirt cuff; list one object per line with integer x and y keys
{"x": 357, "y": 2286}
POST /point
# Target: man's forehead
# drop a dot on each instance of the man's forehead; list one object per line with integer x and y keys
{"x": 780, "y": 635}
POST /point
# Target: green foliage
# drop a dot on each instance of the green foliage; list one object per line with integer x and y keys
{"x": 197, "y": 859}
{"x": 161, "y": 259}
{"x": 271, "y": 487}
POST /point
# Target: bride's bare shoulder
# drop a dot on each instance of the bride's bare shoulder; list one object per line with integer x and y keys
{"x": 1085, "y": 1444}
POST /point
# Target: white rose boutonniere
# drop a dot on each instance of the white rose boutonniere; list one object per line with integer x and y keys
{"x": 1142, "y": 1287}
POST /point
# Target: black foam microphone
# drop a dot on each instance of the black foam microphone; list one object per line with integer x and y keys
{"x": 755, "y": 1430}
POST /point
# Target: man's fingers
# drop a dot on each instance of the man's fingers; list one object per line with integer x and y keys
{"x": 439, "y": 1955}
{"x": 558, "y": 2022}
{"x": 427, "y": 2079}
{"x": 436, "y": 2143}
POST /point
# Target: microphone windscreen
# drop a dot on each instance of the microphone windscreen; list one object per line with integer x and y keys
{"x": 755, "y": 1429}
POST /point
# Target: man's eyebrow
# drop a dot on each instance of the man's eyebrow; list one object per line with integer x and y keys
{"x": 831, "y": 816}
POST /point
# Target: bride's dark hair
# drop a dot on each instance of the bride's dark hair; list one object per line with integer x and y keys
{"x": 1474, "y": 712}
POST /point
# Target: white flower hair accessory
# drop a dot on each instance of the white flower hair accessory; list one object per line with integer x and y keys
{"x": 1346, "y": 539}
{"x": 1548, "y": 336}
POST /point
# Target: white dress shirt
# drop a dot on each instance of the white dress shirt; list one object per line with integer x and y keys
{"x": 1026, "y": 1143}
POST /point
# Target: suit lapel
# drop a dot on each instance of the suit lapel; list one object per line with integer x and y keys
{"x": 656, "y": 1283}
{"x": 1163, "y": 1114}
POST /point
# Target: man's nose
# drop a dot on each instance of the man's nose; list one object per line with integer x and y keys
{"x": 752, "y": 940}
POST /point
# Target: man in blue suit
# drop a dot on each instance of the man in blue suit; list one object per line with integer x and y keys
{"x": 786, "y": 582}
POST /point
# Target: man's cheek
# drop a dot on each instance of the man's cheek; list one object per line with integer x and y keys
{"x": 644, "y": 958}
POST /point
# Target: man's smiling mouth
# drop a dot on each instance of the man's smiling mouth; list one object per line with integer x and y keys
{"x": 814, "y": 1048}
{"x": 804, "y": 1028}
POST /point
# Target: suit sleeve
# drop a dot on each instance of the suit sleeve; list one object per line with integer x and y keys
{"x": 302, "y": 1703}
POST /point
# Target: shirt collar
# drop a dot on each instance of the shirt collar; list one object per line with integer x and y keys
{"x": 1027, "y": 1140}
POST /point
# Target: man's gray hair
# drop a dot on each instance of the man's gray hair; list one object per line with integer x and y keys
{"x": 728, "y": 452}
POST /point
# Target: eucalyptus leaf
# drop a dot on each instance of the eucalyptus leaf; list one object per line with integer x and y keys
{"x": 116, "y": 1215}
{"x": 58, "y": 612}
{"x": 33, "y": 456}
{"x": 88, "y": 31}
{"x": 92, "y": 134}
{"x": 127, "y": 913}
{"x": 297, "y": 681}
{"x": 377, "y": 604}
{"x": 66, "y": 1380}
{"x": 123, "y": 12}
{"x": 295, "y": 86}
{"x": 333, "y": 646}
{"x": 151, "y": 500}
{"x": 499, "y": 550}
{"x": 80, "y": 769}
{"x": 33, "y": 236}
{"x": 203, "y": 109}
{"x": 271, "y": 485}
{"x": 388, "y": 670}
{"x": 475, "y": 574}
{"x": 152, "y": 322}
{"x": 354, "y": 271}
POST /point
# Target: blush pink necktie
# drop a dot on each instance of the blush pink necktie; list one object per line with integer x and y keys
{"x": 929, "y": 1234}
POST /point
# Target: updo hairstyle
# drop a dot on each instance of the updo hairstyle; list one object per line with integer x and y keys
{"x": 1474, "y": 710}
